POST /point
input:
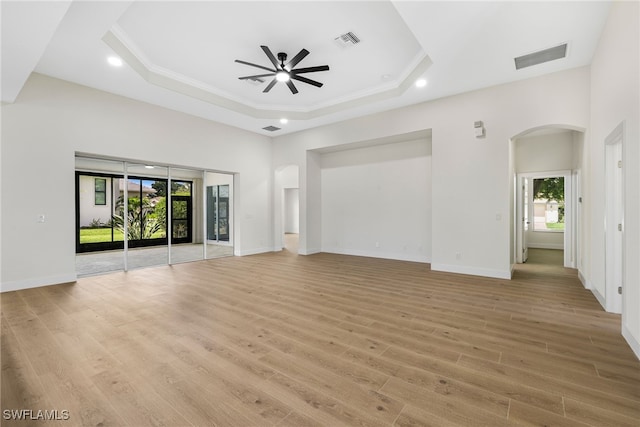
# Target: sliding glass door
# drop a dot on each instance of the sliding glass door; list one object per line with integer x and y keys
{"x": 144, "y": 215}
{"x": 131, "y": 215}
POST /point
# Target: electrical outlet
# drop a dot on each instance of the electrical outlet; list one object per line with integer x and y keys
{"x": 377, "y": 244}
{"x": 458, "y": 256}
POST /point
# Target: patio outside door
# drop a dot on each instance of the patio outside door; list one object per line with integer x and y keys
{"x": 181, "y": 219}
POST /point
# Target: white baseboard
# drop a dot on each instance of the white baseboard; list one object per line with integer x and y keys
{"x": 37, "y": 282}
{"x": 585, "y": 282}
{"x": 377, "y": 254}
{"x": 599, "y": 297}
{"x": 253, "y": 251}
{"x": 302, "y": 251}
{"x": 558, "y": 246}
{"x": 633, "y": 341}
{"x": 474, "y": 271}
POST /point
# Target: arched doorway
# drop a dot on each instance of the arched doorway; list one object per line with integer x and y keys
{"x": 286, "y": 208}
{"x": 546, "y": 169}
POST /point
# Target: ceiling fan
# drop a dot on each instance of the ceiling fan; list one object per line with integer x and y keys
{"x": 284, "y": 72}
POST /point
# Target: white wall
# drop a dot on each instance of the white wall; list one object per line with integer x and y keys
{"x": 545, "y": 240}
{"x": 615, "y": 99}
{"x": 376, "y": 201}
{"x": 466, "y": 171}
{"x": 51, "y": 120}
{"x": 547, "y": 152}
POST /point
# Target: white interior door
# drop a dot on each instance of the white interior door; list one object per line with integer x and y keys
{"x": 523, "y": 218}
{"x": 614, "y": 225}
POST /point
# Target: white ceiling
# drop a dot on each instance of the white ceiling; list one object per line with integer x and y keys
{"x": 180, "y": 54}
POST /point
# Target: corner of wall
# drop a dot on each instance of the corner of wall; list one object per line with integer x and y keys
{"x": 631, "y": 340}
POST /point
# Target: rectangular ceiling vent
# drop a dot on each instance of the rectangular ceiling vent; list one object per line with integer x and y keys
{"x": 541, "y": 56}
{"x": 347, "y": 39}
{"x": 271, "y": 128}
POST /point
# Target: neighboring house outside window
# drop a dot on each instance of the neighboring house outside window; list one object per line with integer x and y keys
{"x": 100, "y": 191}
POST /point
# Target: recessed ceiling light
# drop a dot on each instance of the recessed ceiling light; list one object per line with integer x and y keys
{"x": 421, "y": 83}
{"x": 115, "y": 61}
{"x": 284, "y": 121}
{"x": 148, "y": 167}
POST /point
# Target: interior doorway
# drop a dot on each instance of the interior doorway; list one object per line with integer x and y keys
{"x": 545, "y": 220}
{"x": 287, "y": 208}
{"x": 291, "y": 219}
{"x": 544, "y": 159}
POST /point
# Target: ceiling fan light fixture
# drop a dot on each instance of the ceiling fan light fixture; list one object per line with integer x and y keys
{"x": 284, "y": 73}
{"x": 282, "y": 76}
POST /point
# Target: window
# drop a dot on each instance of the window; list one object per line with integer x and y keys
{"x": 101, "y": 191}
{"x": 548, "y": 204}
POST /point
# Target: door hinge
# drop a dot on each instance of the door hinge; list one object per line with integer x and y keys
{"x": 620, "y": 163}
{"x": 620, "y": 290}
{"x": 619, "y": 227}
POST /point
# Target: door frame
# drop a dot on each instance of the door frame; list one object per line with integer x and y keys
{"x": 189, "y": 237}
{"x": 570, "y": 201}
{"x": 522, "y": 248}
{"x": 614, "y": 253}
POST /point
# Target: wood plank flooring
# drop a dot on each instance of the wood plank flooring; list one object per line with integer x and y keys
{"x": 321, "y": 340}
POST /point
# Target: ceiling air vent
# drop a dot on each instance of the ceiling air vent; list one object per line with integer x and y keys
{"x": 347, "y": 39}
{"x": 271, "y": 128}
{"x": 541, "y": 56}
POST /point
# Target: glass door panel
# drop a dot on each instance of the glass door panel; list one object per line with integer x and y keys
{"x": 187, "y": 233}
{"x": 223, "y": 213}
{"x": 146, "y": 215}
{"x": 99, "y": 246}
{"x": 219, "y": 214}
{"x": 180, "y": 227}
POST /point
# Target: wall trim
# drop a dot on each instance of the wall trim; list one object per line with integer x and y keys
{"x": 384, "y": 255}
{"x": 631, "y": 340}
{"x": 253, "y": 251}
{"x": 559, "y": 246}
{"x": 37, "y": 282}
{"x": 474, "y": 271}
{"x": 311, "y": 251}
{"x": 599, "y": 297}
{"x": 585, "y": 282}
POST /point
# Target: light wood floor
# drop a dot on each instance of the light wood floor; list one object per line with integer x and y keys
{"x": 322, "y": 340}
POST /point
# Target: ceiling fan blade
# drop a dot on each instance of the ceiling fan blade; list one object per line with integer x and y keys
{"x": 306, "y": 80}
{"x": 255, "y": 65}
{"x": 257, "y": 76}
{"x": 299, "y": 57}
{"x": 310, "y": 69}
{"x": 292, "y": 87}
{"x": 272, "y": 58}
{"x": 270, "y": 85}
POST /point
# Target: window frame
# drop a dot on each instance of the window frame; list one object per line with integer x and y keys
{"x": 96, "y": 192}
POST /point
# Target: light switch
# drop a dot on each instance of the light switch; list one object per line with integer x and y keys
{"x": 41, "y": 218}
